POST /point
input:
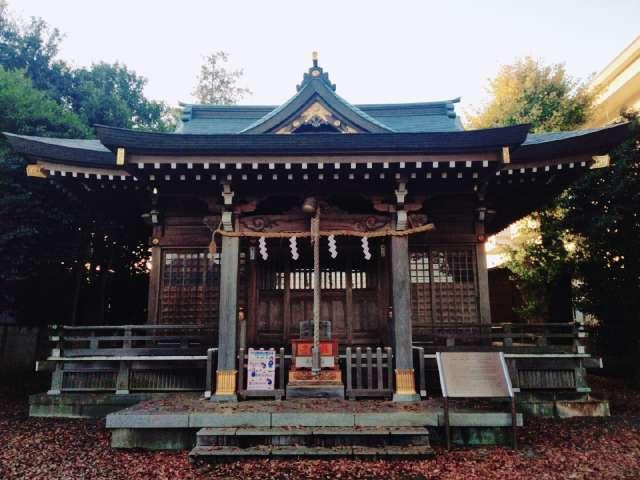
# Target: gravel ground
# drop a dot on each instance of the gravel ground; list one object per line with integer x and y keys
{"x": 588, "y": 448}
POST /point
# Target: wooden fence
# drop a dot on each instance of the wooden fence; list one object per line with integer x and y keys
{"x": 507, "y": 337}
{"x": 369, "y": 374}
{"x": 101, "y": 358}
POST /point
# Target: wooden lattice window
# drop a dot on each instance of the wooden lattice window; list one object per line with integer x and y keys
{"x": 444, "y": 287}
{"x": 189, "y": 288}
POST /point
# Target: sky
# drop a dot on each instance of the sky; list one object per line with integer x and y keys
{"x": 375, "y": 51}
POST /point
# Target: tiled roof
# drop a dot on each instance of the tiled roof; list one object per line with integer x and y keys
{"x": 490, "y": 139}
{"x": 398, "y": 117}
{"x": 373, "y": 118}
{"x": 554, "y": 144}
{"x": 65, "y": 150}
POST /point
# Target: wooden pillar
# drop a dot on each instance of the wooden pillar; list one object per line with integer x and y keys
{"x": 226, "y": 371}
{"x": 154, "y": 286}
{"x": 402, "y": 336}
{"x": 315, "y": 231}
{"x": 483, "y": 277}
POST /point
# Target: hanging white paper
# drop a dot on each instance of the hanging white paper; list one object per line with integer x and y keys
{"x": 293, "y": 245}
{"x": 365, "y": 248}
{"x": 262, "y": 246}
{"x": 333, "y": 249}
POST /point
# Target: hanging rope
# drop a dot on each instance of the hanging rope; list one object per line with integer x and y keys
{"x": 326, "y": 233}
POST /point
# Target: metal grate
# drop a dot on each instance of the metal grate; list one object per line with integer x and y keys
{"x": 444, "y": 288}
{"x": 190, "y": 288}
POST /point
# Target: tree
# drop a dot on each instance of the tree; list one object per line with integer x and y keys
{"x": 48, "y": 234}
{"x": 26, "y": 216}
{"x": 33, "y": 47}
{"x": 603, "y": 209}
{"x": 216, "y": 84}
{"x": 104, "y": 93}
{"x": 547, "y": 98}
{"x": 529, "y": 92}
{"x": 111, "y": 94}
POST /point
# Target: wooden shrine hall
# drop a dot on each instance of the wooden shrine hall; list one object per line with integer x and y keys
{"x": 347, "y": 238}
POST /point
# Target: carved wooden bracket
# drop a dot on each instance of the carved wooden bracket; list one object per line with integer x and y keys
{"x": 300, "y": 223}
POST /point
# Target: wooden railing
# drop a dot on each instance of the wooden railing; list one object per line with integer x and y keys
{"x": 369, "y": 373}
{"x": 100, "y": 357}
{"x": 547, "y": 356}
{"x": 507, "y": 337}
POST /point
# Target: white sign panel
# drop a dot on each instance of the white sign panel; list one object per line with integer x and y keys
{"x": 474, "y": 374}
{"x": 261, "y": 369}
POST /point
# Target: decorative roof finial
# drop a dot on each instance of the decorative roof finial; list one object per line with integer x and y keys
{"x": 314, "y": 57}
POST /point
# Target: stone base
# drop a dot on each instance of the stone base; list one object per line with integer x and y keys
{"x": 309, "y": 390}
{"x": 224, "y": 397}
{"x": 567, "y": 406}
{"x": 406, "y": 397}
{"x": 582, "y": 408}
{"x": 83, "y": 405}
{"x": 153, "y": 438}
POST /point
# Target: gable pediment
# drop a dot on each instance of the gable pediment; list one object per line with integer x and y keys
{"x": 317, "y": 117}
{"x": 317, "y": 107}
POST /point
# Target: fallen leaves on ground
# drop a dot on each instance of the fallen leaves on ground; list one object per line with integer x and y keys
{"x": 580, "y": 448}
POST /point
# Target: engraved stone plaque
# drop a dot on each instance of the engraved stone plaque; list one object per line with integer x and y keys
{"x": 474, "y": 374}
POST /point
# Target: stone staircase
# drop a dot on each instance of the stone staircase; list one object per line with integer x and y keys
{"x": 284, "y": 441}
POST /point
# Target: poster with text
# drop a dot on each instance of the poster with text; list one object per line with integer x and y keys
{"x": 261, "y": 369}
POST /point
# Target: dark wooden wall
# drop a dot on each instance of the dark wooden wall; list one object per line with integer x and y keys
{"x": 276, "y": 295}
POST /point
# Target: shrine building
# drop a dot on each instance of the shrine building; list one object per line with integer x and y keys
{"x": 348, "y": 238}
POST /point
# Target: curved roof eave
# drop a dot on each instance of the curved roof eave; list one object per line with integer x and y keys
{"x": 63, "y": 150}
{"x": 466, "y": 141}
{"x": 556, "y": 144}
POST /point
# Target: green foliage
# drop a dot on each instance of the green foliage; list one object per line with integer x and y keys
{"x": 109, "y": 94}
{"x": 29, "y": 111}
{"x": 114, "y": 95}
{"x": 542, "y": 264}
{"x": 25, "y": 214}
{"x": 216, "y": 84}
{"x": 548, "y": 99}
{"x": 33, "y": 47}
{"x": 603, "y": 208}
{"x": 54, "y": 242}
{"x": 529, "y": 92}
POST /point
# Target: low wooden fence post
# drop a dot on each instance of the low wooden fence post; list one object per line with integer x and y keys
{"x": 240, "y": 386}
{"x": 58, "y": 374}
{"x": 209, "y": 381}
{"x": 422, "y": 382}
{"x": 348, "y": 359}
{"x": 283, "y": 371}
{"x": 508, "y": 339}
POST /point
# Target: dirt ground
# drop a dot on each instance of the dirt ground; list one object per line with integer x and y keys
{"x": 590, "y": 448}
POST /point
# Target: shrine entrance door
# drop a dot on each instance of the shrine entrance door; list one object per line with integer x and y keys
{"x": 354, "y": 293}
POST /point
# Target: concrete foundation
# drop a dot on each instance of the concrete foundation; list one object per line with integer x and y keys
{"x": 153, "y": 438}
{"x": 145, "y": 424}
{"x": 83, "y": 405}
{"x": 558, "y": 405}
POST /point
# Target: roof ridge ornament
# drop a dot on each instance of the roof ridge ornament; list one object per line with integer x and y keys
{"x": 315, "y": 73}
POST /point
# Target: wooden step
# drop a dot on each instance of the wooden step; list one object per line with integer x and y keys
{"x": 204, "y": 453}
{"x": 326, "y": 437}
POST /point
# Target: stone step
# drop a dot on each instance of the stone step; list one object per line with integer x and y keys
{"x": 326, "y": 437}
{"x": 204, "y": 453}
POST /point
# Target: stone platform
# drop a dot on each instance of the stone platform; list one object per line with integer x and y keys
{"x": 172, "y": 422}
{"x": 83, "y": 405}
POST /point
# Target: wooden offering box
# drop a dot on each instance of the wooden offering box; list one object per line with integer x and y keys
{"x": 301, "y": 361}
